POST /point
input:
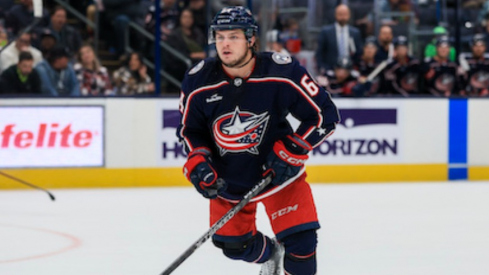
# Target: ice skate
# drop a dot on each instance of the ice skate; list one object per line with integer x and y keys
{"x": 274, "y": 265}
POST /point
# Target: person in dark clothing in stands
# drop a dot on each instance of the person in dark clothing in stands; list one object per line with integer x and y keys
{"x": 47, "y": 41}
{"x": 21, "y": 78}
{"x": 66, "y": 36}
{"x": 188, "y": 40}
{"x": 119, "y": 13}
{"x": 21, "y": 15}
{"x": 168, "y": 18}
{"x": 385, "y": 47}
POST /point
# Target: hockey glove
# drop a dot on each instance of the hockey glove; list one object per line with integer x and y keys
{"x": 286, "y": 159}
{"x": 199, "y": 171}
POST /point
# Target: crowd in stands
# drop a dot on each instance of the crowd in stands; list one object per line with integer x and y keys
{"x": 57, "y": 58}
{"x": 349, "y": 65}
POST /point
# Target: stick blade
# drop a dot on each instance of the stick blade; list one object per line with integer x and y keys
{"x": 52, "y": 196}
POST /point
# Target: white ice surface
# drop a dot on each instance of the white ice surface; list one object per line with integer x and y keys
{"x": 381, "y": 229}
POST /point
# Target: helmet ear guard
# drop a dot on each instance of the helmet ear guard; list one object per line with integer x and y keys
{"x": 231, "y": 18}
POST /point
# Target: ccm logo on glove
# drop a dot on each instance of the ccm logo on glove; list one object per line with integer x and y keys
{"x": 291, "y": 159}
{"x": 286, "y": 159}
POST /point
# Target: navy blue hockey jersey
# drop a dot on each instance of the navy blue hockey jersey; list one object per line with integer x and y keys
{"x": 476, "y": 77}
{"x": 402, "y": 77}
{"x": 441, "y": 78}
{"x": 240, "y": 119}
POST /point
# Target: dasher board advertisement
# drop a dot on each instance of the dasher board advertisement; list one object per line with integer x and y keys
{"x": 51, "y": 136}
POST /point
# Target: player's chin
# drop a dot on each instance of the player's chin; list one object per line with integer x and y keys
{"x": 230, "y": 64}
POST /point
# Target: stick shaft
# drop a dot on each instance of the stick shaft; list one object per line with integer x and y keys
{"x": 220, "y": 223}
{"x": 377, "y": 70}
{"x": 27, "y": 183}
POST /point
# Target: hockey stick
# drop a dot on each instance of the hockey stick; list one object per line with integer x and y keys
{"x": 28, "y": 184}
{"x": 377, "y": 70}
{"x": 220, "y": 223}
{"x": 382, "y": 65}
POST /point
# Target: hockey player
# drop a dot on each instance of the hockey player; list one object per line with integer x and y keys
{"x": 476, "y": 68}
{"x": 440, "y": 74}
{"x": 235, "y": 131}
{"x": 343, "y": 80}
{"x": 367, "y": 64}
{"x": 402, "y": 73}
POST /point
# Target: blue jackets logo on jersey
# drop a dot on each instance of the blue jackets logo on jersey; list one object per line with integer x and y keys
{"x": 240, "y": 131}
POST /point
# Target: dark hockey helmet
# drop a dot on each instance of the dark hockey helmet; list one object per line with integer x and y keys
{"x": 231, "y": 18}
{"x": 443, "y": 41}
{"x": 478, "y": 38}
{"x": 371, "y": 40}
{"x": 344, "y": 62}
{"x": 401, "y": 40}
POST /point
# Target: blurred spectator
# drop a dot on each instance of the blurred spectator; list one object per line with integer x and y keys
{"x": 475, "y": 68}
{"x": 5, "y": 5}
{"x": 119, "y": 13}
{"x": 342, "y": 80}
{"x": 168, "y": 18}
{"x": 57, "y": 76}
{"x": 3, "y": 37}
{"x": 430, "y": 49}
{"x": 367, "y": 64}
{"x": 91, "y": 12}
{"x": 187, "y": 40}
{"x": 188, "y": 36}
{"x": 94, "y": 79}
{"x": 440, "y": 74}
{"x": 199, "y": 10}
{"x": 290, "y": 36}
{"x": 10, "y": 55}
{"x": 338, "y": 40}
{"x": 388, "y": 6}
{"x": 132, "y": 78}
{"x": 483, "y": 14}
{"x": 402, "y": 72}
{"x": 486, "y": 36}
{"x": 274, "y": 43}
{"x": 47, "y": 41}
{"x": 22, "y": 15}
{"x": 383, "y": 10}
{"x": 66, "y": 36}
{"x": 385, "y": 48}
{"x": 20, "y": 78}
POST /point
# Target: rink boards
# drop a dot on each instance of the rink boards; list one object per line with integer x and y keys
{"x": 117, "y": 142}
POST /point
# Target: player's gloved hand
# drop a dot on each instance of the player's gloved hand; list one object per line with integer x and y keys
{"x": 199, "y": 171}
{"x": 286, "y": 159}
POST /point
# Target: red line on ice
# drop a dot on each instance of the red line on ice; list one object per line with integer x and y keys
{"x": 75, "y": 242}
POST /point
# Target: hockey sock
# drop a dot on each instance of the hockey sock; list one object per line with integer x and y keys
{"x": 255, "y": 250}
{"x": 300, "y": 253}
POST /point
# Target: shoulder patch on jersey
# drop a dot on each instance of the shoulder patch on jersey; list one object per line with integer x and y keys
{"x": 197, "y": 68}
{"x": 281, "y": 58}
